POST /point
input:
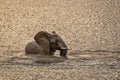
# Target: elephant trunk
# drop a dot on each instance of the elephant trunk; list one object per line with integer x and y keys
{"x": 63, "y": 52}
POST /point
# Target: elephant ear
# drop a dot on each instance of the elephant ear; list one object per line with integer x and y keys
{"x": 42, "y": 34}
{"x": 44, "y": 43}
{"x": 42, "y": 38}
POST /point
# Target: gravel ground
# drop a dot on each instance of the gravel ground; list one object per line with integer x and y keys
{"x": 78, "y": 66}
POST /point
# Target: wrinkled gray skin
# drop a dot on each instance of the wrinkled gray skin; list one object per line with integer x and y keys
{"x": 33, "y": 47}
{"x": 48, "y": 44}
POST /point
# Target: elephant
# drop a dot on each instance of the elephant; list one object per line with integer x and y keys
{"x": 50, "y": 43}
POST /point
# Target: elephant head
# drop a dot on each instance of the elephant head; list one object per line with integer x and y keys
{"x": 58, "y": 44}
{"x": 51, "y": 42}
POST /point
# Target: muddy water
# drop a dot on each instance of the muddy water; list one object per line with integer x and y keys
{"x": 81, "y": 59}
{"x": 77, "y": 66}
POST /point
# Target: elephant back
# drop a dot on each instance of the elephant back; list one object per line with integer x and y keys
{"x": 32, "y": 48}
